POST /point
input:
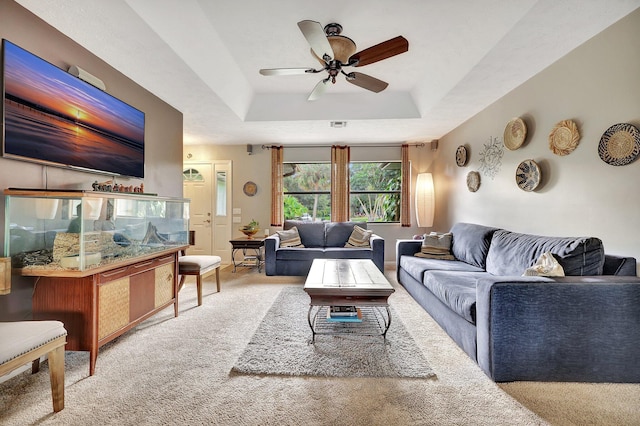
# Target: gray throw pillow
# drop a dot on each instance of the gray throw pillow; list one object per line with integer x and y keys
{"x": 436, "y": 246}
{"x": 359, "y": 237}
{"x": 290, "y": 238}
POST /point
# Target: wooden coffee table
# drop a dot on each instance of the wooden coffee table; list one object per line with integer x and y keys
{"x": 348, "y": 282}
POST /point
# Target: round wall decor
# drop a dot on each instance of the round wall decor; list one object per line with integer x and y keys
{"x": 250, "y": 189}
{"x": 473, "y": 181}
{"x": 564, "y": 137}
{"x": 528, "y": 175}
{"x": 461, "y": 156}
{"x": 515, "y": 133}
{"x": 620, "y": 144}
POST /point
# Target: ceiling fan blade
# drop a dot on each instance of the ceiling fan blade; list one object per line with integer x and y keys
{"x": 319, "y": 90}
{"x": 367, "y": 82}
{"x": 314, "y": 33}
{"x": 384, "y": 50}
{"x": 286, "y": 71}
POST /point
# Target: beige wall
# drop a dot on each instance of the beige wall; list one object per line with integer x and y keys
{"x": 163, "y": 131}
{"x": 596, "y": 85}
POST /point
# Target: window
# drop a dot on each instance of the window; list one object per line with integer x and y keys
{"x": 375, "y": 191}
{"x": 307, "y": 191}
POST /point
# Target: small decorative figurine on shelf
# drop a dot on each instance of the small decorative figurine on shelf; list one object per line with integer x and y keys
{"x": 109, "y": 186}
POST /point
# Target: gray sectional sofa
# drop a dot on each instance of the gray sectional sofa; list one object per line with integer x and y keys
{"x": 321, "y": 240}
{"x": 583, "y": 327}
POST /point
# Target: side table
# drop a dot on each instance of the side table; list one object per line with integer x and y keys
{"x": 252, "y": 255}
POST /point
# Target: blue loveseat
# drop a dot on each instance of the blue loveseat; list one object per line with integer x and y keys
{"x": 583, "y": 327}
{"x": 321, "y": 240}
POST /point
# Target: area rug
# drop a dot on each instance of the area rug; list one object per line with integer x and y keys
{"x": 281, "y": 346}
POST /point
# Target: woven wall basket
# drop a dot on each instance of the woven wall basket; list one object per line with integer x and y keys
{"x": 564, "y": 138}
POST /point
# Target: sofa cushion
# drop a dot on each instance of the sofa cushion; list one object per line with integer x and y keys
{"x": 416, "y": 266}
{"x": 290, "y": 238}
{"x": 311, "y": 233}
{"x": 456, "y": 290}
{"x": 337, "y": 233}
{"x": 470, "y": 243}
{"x": 512, "y": 253}
{"x": 299, "y": 253}
{"x": 351, "y": 253}
{"x": 359, "y": 238}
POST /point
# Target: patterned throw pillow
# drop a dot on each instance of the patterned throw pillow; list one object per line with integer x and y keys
{"x": 436, "y": 246}
{"x": 359, "y": 238}
{"x": 290, "y": 238}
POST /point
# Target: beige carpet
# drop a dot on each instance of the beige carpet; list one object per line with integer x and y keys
{"x": 177, "y": 371}
{"x": 280, "y": 345}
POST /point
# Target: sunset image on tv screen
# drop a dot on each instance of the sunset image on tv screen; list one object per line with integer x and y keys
{"x": 54, "y": 117}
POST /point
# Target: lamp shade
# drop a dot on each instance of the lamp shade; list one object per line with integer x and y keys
{"x": 425, "y": 200}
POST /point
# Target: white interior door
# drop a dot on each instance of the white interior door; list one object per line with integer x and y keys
{"x": 222, "y": 212}
{"x": 197, "y": 187}
{"x": 208, "y": 185}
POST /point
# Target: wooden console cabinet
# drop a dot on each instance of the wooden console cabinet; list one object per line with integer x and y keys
{"x": 100, "y": 306}
{"x": 102, "y": 261}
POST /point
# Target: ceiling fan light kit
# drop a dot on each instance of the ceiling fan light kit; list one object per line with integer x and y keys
{"x": 335, "y": 51}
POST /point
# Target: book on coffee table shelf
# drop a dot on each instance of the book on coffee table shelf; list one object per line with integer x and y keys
{"x": 356, "y": 317}
{"x": 343, "y": 311}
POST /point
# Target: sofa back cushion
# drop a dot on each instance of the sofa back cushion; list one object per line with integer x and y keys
{"x": 311, "y": 233}
{"x": 512, "y": 253}
{"x": 470, "y": 243}
{"x": 337, "y": 233}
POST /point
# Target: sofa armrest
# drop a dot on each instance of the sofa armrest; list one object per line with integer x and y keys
{"x": 271, "y": 244}
{"x": 619, "y": 265}
{"x": 407, "y": 247}
{"x": 583, "y": 329}
{"x": 377, "y": 246}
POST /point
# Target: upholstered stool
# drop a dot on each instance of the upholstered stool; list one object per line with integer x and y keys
{"x": 26, "y": 341}
{"x": 201, "y": 267}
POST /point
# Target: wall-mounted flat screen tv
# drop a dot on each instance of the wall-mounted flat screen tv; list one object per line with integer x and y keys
{"x": 53, "y": 117}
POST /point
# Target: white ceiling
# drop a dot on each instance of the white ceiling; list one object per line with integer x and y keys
{"x": 203, "y": 57}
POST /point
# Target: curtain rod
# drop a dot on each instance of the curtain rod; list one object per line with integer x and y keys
{"x": 419, "y": 145}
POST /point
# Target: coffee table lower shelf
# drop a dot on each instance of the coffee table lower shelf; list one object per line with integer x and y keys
{"x": 375, "y": 321}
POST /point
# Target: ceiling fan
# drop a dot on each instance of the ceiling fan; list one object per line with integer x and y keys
{"x": 335, "y": 51}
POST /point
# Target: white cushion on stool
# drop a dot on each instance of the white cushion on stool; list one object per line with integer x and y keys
{"x": 18, "y": 338}
{"x": 193, "y": 263}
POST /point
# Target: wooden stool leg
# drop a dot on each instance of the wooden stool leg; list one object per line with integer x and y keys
{"x": 56, "y": 375}
{"x": 218, "y": 278}
{"x": 199, "y": 283}
{"x": 182, "y": 279}
{"x": 35, "y": 366}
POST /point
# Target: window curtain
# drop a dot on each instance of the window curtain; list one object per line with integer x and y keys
{"x": 340, "y": 156}
{"x": 405, "y": 188}
{"x": 277, "y": 186}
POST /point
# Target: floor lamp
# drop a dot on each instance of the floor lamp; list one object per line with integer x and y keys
{"x": 425, "y": 200}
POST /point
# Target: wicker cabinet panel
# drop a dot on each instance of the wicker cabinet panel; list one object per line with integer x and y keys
{"x": 164, "y": 284}
{"x": 113, "y": 306}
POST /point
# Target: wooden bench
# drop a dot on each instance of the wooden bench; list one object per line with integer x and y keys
{"x": 22, "y": 342}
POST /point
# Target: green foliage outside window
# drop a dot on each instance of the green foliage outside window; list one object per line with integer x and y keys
{"x": 374, "y": 187}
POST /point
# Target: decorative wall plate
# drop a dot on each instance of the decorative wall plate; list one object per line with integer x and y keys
{"x": 473, "y": 181}
{"x": 620, "y": 144}
{"x": 250, "y": 189}
{"x": 461, "y": 156}
{"x": 528, "y": 175}
{"x": 515, "y": 133}
{"x": 564, "y": 138}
